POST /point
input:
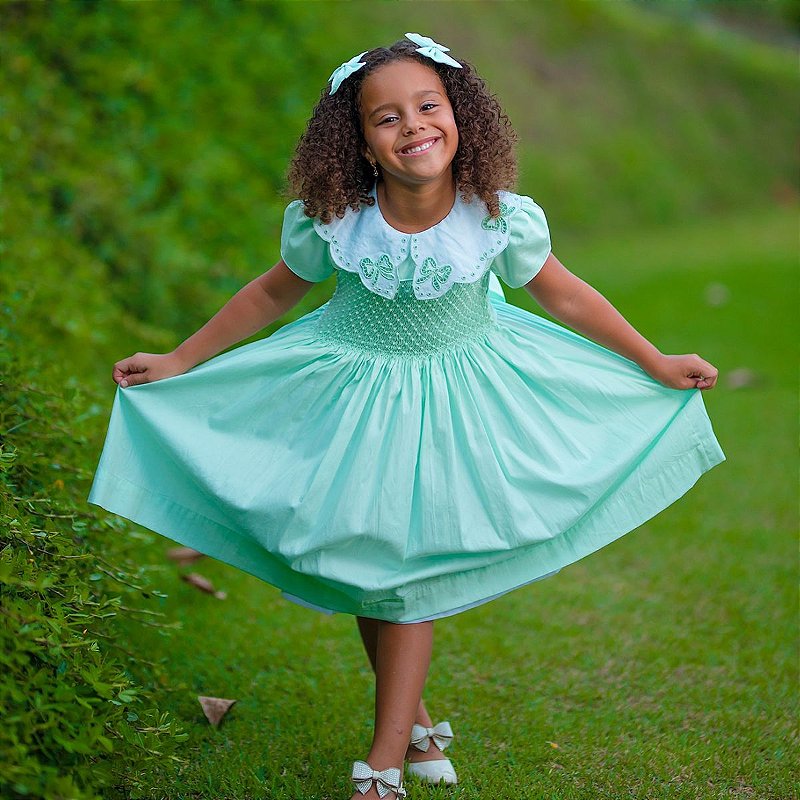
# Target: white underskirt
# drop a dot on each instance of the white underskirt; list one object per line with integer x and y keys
{"x": 314, "y": 607}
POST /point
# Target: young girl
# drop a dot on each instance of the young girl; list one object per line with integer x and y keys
{"x": 416, "y": 446}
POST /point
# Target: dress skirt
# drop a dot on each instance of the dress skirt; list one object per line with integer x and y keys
{"x": 404, "y": 460}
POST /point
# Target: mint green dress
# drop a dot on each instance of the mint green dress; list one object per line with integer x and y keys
{"x": 414, "y": 447}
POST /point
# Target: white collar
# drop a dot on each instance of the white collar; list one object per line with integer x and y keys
{"x": 459, "y": 249}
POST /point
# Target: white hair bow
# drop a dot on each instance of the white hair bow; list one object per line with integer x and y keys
{"x": 427, "y": 47}
{"x": 386, "y": 780}
{"x": 442, "y": 735}
{"x": 345, "y": 71}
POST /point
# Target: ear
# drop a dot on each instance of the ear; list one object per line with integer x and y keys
{"x": 368, "y": 155}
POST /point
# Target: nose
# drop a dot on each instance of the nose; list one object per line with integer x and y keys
{"x": 412, "y": 125}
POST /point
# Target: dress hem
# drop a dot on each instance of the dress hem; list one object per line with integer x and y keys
{"x": 645, "y": 491}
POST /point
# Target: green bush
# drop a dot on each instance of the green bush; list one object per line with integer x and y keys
{"x": 68, "y": 698}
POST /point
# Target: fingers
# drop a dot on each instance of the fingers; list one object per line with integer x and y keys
{"x": 688, "y": 372}
{"x": 134, "y": 379}
{"x": 130, "y": 371}
{"x": 705, "y": 374}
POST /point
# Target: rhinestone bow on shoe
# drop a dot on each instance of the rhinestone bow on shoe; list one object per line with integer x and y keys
{"x": 386, "y": 780}
{"x": 436, "y": 770}
{"x": 442, "y": 735}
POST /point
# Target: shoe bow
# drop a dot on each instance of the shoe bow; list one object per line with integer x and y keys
{"x": 442, "y": 735}
{"x": 386, "y": 780}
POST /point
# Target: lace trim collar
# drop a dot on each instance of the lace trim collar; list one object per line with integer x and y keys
{"x": 459, "y": 249}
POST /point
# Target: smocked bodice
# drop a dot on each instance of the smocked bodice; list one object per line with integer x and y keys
{"x": 404, "y": 326}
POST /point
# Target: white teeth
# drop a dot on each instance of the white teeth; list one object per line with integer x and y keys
{"x": 419, "y": 148}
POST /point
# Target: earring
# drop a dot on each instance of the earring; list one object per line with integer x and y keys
{"x": 374, "y": 169}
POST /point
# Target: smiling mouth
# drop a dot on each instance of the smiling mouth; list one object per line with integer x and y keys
{"x": 420, "y": 147}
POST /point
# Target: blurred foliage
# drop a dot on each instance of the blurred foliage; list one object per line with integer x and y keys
{"x": 143, "y": 148}
{"x": 776, "y": 21}
{"x": 154, "y": 138}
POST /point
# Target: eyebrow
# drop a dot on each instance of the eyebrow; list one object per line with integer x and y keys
{"x": 391, "y": 105}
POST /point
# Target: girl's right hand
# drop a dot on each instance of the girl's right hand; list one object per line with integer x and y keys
{"x": 146, "y": 368}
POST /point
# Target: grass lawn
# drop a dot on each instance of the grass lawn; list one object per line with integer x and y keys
{"x": 662, "y": 666}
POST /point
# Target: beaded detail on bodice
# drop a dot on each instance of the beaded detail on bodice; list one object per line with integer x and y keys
{"x": 405, "y": 327}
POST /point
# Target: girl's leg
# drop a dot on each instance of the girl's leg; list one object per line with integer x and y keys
{"x": 403, "y": 654}
{"x": 368, "y": 628}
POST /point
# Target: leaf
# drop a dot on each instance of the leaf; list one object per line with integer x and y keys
{"x": 717, "y": 294}
{"x": 215, "y": 708}
{"x": 183, "y": 556}
{"x": 203, "y": 584}
{"x": 742, "y": 378}
{"x": 199, "y": 582}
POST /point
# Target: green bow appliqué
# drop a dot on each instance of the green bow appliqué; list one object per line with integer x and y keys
{"x": 497, "y": 223}
{"x": 373, "y": 269}
{"x": 436, "y": 273}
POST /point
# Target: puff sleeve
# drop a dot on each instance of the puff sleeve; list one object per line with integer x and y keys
{"x": 528, "y": 245}
{"x": 302, "y": 250}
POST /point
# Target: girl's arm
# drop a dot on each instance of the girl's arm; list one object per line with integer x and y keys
{"x": 575, "y": 303}
{"x": 256, "y": 305}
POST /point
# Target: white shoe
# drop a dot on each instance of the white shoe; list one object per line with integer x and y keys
{"x": 386, "y": 780}
{"x": 432, "y": 771}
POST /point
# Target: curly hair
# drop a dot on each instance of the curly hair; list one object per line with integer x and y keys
{"x": 330, "y": 173}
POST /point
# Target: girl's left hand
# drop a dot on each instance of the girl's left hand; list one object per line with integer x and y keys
{"x": 684, "y": 372}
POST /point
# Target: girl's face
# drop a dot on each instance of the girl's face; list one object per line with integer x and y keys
{"x": 408, "y": 123}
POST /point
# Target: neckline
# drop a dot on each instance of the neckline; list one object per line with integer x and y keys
{"x": 377, "y": 206}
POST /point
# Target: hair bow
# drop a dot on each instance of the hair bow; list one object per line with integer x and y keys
{"x": 442, "y": 735}
{"x": 386, "y": 780}
{"x": 345, "y": 71}
{"x": 434, "y": 50}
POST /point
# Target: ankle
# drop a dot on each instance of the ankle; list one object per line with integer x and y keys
{"x": 379, "y": 760}
{"x": 433, "y": 753}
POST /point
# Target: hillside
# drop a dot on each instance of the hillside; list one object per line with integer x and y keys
{"x": 164, "y": 166}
